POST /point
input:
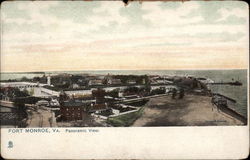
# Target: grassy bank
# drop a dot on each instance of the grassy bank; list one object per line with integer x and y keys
{"x": 125, "y": 120}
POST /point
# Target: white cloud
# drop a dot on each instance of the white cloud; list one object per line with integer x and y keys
{"x": 107, "y": 13}
{"x": 165, "y": 17}
{"x": 169, "y": 27}
{"x": 238, "y": 12}
{"x": 34, "y": 5}
{"x": 34, "y": 10}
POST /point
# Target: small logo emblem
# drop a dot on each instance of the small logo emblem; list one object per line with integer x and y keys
{"x": 10, "y": 144}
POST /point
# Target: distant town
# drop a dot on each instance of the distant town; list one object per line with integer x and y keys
{"x": 88, "y": 100}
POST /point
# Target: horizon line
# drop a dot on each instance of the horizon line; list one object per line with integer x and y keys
{"x": 125, "y": 70}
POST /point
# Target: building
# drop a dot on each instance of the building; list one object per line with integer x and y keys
{"x": 98, "y": 107}
{"x": 79, "y": 92}
{"x": 46, "y": 91}
{"x": 160, "y": 80}
{"x": 95, "y": 82}
{"x": 73, "y": 110}
{"x": 109, "y": 80}
{"x": 114, "y": 81}
{"x": 75, "y": 86}
{"x": 42, "y": 103}
{"x": 131, "y": 81}
{"x": 21, "y": 85}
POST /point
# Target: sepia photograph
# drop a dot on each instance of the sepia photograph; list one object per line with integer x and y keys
{"x": 67, "y": 64}
{"x": 140, "y": 64}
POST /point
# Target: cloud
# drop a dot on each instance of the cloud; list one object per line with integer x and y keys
{"x": 235, "y": 14}
{"x": 167, "y": 17}
{"x": 107, "y": 13}
{"x": 82, "y": 31}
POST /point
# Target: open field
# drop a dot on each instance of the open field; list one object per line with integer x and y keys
{"x": 193, "y": 110}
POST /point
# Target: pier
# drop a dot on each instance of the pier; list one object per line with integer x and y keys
{"x": 221, "y": 102}
{"x": 235, "y": 83}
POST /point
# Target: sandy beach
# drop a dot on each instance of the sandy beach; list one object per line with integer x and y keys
{"x": 192, "y": 110}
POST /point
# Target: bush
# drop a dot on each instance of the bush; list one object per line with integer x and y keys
{"x": 113, "y": 93}
{"x": 158, "y": 91}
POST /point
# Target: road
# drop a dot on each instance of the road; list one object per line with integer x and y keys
{"x": 41, "y": 118}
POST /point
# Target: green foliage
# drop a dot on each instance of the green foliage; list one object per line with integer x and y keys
{"x": 132, "y": 89}
{"x": 63, "y": 97}
{"x": 21, "y": 109}
{"x": 36, "y": 79}
{"x": 31, "y": 92}
{"x": 158, "y": 91}
{"x": 99, "y": 93}
{"x": 125, "y": 120}
{"x": 26, "y": 100}
{"x": 13, "y": 93}
{"x": 113, "y": 93}
{"x": 125, "y": 78}
{"x": 24, "y": 78}
{"x": 25, "y": 91}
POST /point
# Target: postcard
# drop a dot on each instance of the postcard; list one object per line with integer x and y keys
{"x": 133, "y": 80}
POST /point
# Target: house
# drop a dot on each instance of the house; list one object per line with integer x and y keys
{"x": 131, "y": 81}
{"x": 160, "y": 80}
{"x": 108, "y": 79}
{"x": 114, "y": 81}
{"x": 42, "y": 103}
{"x": 75, "y": 86}
{"x": 95, "y": 82}
{"x": 54, "y": 103}
{"x": 98, "y": 107}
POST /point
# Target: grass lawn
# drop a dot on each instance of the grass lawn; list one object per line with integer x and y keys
{"x": 125, "y": 120}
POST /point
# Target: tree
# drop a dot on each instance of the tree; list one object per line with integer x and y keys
{"x": 36, "y": 79}
{"x": 32, "y": 92}
{"x": 21, "y": 109}
{"x": 181, "y": 94}
{"x": 99, "y": 95}
{"x": 63, "y": 97}
{"x": 25, "y": 91}
{"x": 113, "y": 93}
{"x": 174, "y": 91}
{"x": 158, "y": 91}
{"x": 24, "y": 78}
{"x": 147, "y": 84}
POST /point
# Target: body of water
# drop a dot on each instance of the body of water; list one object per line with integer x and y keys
{"x": 239, "y": 93}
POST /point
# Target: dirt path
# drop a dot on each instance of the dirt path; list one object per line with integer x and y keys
{"x": 193, "y": 110}
{"x": 41, "y": 118}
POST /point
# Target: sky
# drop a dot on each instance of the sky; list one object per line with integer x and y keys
{"x": 85, "y": 35}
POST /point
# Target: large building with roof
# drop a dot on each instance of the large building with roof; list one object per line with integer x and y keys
{"x": 73, "y": 110}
